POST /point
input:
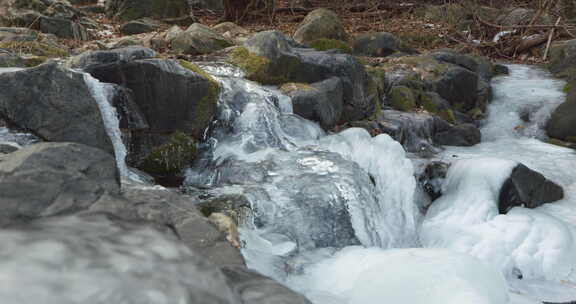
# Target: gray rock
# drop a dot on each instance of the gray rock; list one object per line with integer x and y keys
{"x": 562, "y": 123}
{"x": 107, "y": 260}
{"x": 527, "y": 188}
{"x": 135, "y": 9}
{"x": 63, "y": 28}
{"x": 320, "y": 102}
{"x": 139, "y": 26}
{"x": 6, "y": 148}
{"x": 563, "y": 58}
{"x": 318, "y": 24}
{"x": 93, "y": 59}
{"x": 380, "y": 45}
{"x": 459, "y": 87}
{"x": 55, "y": 105}
{"x": 254, "y": 288}
{"x": 54, "y": 178}
{"x": 481, "y": 66}
{"x": 199, "y": 39}
{"x": 291, "y": 63}
{"x": 460, "y": 135}
{"x": 178, "y": 212}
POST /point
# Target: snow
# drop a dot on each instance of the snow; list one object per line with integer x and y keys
{"x": 358, "y": 275}
{"x": 523, "y": 242}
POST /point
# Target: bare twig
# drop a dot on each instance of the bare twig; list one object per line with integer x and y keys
{"x": 550, "y": 40}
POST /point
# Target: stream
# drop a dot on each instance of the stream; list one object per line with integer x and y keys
{"x": 341, "y": 217}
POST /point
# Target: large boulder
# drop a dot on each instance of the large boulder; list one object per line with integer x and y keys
{"x": 563, "y": 58}
{"x": 562, "y": 123}
{"x": 88, "y": 60}
{"x": 139, "y": 26}
{"x": 135, "y": 9}
{"x": 174, "y": 120}
{"x": 179, "y": 212}
{"x": 54, "y": 178}
{"x": 320, "y": 101}
{"x": 318, "y": 24}
{"x": 54, "y": 103}
{"x": 380, "y": 44}
{"x": 271, "y": 58}
{"x": 199, "y": 39}
{"x": 106, "y": 260}
{"x": 527, "y": 188}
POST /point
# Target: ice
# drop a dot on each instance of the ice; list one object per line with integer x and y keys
{"x": 524, "y": 242}
{"x": 358, "y": 275}
{"x": 102, "y": 93}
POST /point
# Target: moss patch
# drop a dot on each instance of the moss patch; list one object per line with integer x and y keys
{"x": 256, "y": 67}
{"x": 324, "y": 44}
{"x": 172, "y": 157}
{"x": 402, "y": 98}
{"x": 207, "y": 105}
{"x": 33, "y": 47}
{"x": 290, "y": 87}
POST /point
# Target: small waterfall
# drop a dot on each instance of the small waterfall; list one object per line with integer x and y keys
{"x": 102, "y": 93}
{"x": 310, "y": 193}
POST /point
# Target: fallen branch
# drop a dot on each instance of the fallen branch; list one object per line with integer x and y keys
{"x": 549, "y": 40}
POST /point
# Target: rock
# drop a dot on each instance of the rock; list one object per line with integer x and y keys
{"x": 90, "y": 60}
{"x": 460, "y": 135}
{"x": 82, "y": 2}
{"x": 139, "y": 26}
{"x": 481, "y": 66}
{"x": 199, "y": 39}
{"x": 271, "y": 58}
{"x": 124, "y": 42}
{"x": 188, "y": 108}
{"x": 230, "y": 27}
{"x": 54, "y": 178}
{"x": 432, "y": 178}
{"x": 126, "y": 10}
{"x": 172, "y": 33}
{"x": 522, "y": 16}
{"x": 562, "y": 122}
{"x": 563, "y": 58}
{"x": 254, "y": 288}
{"x": 107, "y": 259}
{"x": 63, "y": 28}
{"x": 380, "y": 45}
{"x": 324, "y": 44}
{"x": 8, "y": 59}
{"x": 56, "y": 105}
{"x": 174, "y": 210}
{"x": 320, "y": 101}
{"x": 527, "y": 188}
{"x": 401, "y": 98}
{"x": 459, "y": 87}
{"x": 320, "y": 23}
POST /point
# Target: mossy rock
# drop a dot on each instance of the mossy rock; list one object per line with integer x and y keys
{"x": 207, "y": 104}
{"x": 33, "y": 47}
{"x": 325, "y": 44}
{"x": 561, "y": 143}
{"x": 402, "y": 98}
{"x": 476, "y": 113}
{"x": 258, "y": 68}
{"x": 32, "y": 61}
{"x": 172, "y": 157}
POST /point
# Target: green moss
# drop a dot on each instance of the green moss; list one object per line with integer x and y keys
{"x": 476, "y": 113}
{"x": 33, "y": 47}
{"x": 32, "y": 61}
{"x": 447, "y": 115}
{"x": 255, "y": 67}
{"x": 567, "y": 88}
{"x": 260, "y": 69}
{"x": 172, "y": 157}
{"x": 290, "y": 87}
{"x": 402, "y": 98}
{"x": 207, "y": 105}
{"x": 557, "y": 142}
{"x": 324, "y": 44}
{"x": 571, "y": 139}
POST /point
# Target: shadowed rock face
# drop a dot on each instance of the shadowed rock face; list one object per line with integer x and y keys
{"x": 527, "y": 188}
{"x": 54, "y": 178}
{"x": 55, "y": 104}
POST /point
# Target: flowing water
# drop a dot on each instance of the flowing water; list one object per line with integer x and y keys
{"x": 340, "y": 217}
{"x": 329, "y": 209}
